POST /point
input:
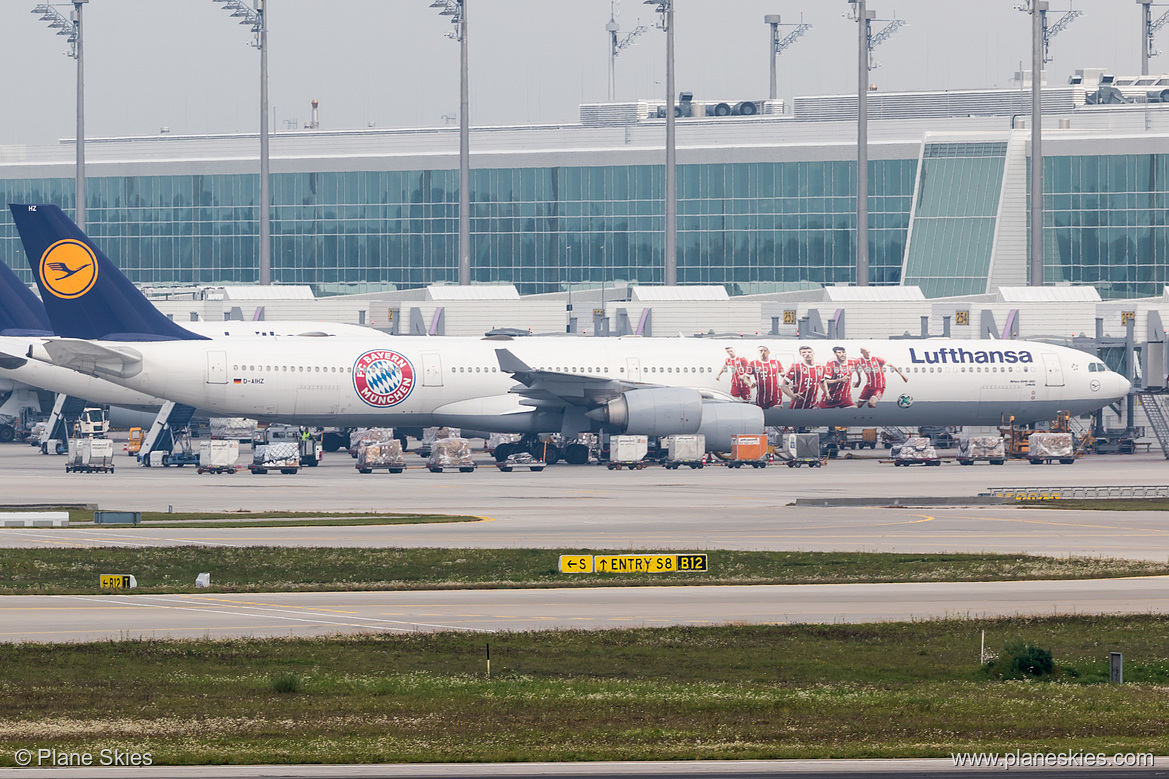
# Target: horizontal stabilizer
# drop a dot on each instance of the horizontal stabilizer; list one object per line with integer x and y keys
{"x": 88, "y": 357}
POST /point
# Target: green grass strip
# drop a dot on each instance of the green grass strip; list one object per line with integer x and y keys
{"x": 283, "y": 569}
{"x": 739, "y": 692}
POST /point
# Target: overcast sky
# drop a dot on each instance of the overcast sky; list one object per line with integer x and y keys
{"x": 186, "y": 65}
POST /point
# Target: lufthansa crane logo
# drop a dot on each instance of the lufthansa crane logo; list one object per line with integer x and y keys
{"x": 383, "y": 378}
{"x": 68, "y": 269}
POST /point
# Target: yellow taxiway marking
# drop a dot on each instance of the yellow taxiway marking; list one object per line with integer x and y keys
{"x": 196, "y": 600}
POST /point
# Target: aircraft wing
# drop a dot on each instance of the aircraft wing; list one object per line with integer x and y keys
{"x": 88, "y": 357}
{"x": 551, "y": 389}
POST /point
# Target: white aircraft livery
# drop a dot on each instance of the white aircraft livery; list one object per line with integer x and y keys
{"x": 23, "y": 316}
{"x": 652, "y": 386}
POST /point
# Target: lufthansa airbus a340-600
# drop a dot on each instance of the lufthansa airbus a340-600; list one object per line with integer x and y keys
{"x": 652, "y": 386}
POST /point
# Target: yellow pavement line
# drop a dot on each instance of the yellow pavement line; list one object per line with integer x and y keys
{"x": 195, "y": 600}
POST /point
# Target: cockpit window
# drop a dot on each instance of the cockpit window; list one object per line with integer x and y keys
{"x": 1091, "y": 367}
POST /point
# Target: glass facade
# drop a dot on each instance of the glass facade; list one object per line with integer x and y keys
{"x": 749, "y": 226}
{"x": 955, "y": 217}
{"x": 1106, "y": 222}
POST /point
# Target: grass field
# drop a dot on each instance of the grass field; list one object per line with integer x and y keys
{"x": 282, "y": 569}
{"x": 790, "y": 691}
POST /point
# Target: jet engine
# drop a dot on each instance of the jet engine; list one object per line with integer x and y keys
{"x": 664, "y": 411}
{"x": 721, "y": 421}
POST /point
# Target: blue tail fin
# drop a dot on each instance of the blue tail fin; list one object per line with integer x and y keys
{"x": 85, "y": 295}
{"x": 21, "y": 312}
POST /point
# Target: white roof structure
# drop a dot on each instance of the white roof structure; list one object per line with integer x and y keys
{"x": 871, "y": 294}
{"x": 1048, "y": 295}
{"x": 474, "y": 292}
{"x": 705, "y": 292}
{"x": 273, "y": 292}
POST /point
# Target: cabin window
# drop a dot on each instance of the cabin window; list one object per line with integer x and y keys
{"x": 235, "y": 367}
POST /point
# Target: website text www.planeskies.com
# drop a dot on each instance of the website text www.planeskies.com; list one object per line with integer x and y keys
{"x": 1065, "y": 759}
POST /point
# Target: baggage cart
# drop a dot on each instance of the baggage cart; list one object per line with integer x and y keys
{"x": 982, "y": 448}
{"x": 432, "y": 434}
{"x": 916, "y": 450}
{"x": 369, "y": 434}
{"x": 749, "y": 450}
{"x": 90, "y": 455}
{"x": 627, "y": 451}
{"x": 446, "y": 453}
{"x": 803, "y": 449}
{"x": 218, "y": 456}
{"x": 283, "y": 457}
{"x": 380, "y": 455}
{"x": 520, "y": 460}
{"x": 1051, "y": 447}
{"x": 685, "y": 450}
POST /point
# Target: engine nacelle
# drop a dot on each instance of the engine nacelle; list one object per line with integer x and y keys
{"x": 666, "y": 411}
{"x": 657, "y": 412}
{"x": 721, "y": 421}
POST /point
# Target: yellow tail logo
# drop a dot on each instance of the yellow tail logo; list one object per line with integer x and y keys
{"x": 68, "y": 269}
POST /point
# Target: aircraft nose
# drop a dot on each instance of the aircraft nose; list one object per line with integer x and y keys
{"x": 1118, "y": 386}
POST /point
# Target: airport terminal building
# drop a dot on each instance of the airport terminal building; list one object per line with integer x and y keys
{"x": 766, "y": 203}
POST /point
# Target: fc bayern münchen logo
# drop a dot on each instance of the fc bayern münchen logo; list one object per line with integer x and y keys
{"x": 905, "y": 401}
{"x": 383, "y": 378}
